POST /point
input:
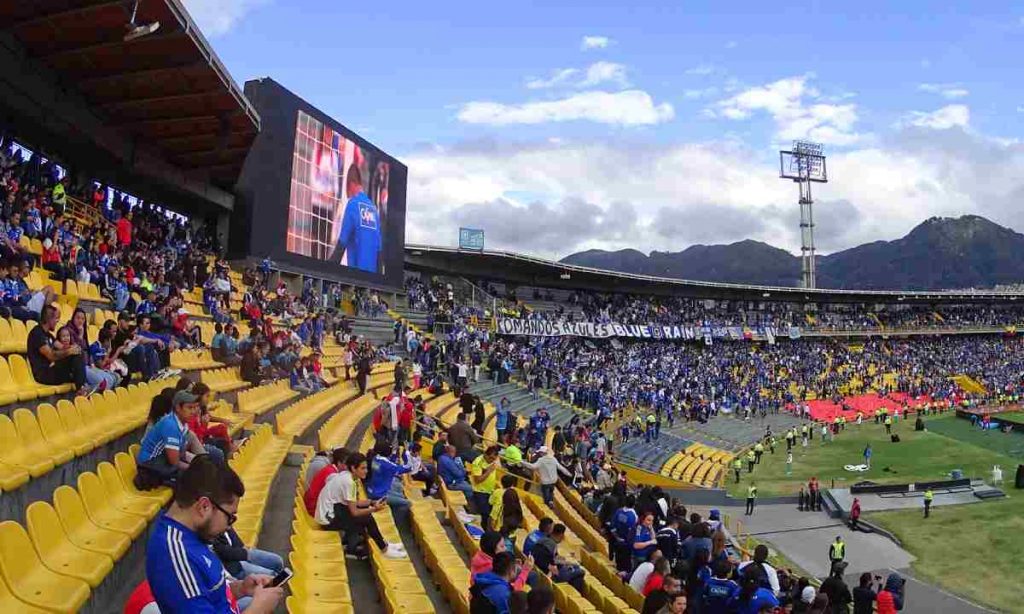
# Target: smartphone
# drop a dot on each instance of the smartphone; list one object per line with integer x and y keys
{"x": 282, "y": 577}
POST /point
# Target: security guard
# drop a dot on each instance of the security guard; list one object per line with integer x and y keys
{"x": 751, "y": 497}
{"x": 928, "y": 497}
{"x": 751, "y": 459}
{"x": 888, "y": 425}
{"x": 758, "y": 451}
{"x": 737, "y": 467}
{"x": 837, "y": 551}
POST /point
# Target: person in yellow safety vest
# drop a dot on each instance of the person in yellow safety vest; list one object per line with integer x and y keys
{"x": 771, "y": 443}
{"x": 751, "y": 498}
{"x": 737, "y": 467}
{"x": 928, "y": 497}
{"x": 758, "y": 451}
{"x": 837, "y": 551}
{"x": 751, "y": 459}
{"x": 888, "y": 425}
{"x": 878, "y": 416}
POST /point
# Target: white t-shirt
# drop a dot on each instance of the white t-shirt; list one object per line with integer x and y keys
{"x": 463, "y": 369}
{"x": 340, "y": 488}
{"x": 639, "y": 577}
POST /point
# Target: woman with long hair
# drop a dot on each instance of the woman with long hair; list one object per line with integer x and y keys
{"x": 77, "y": 331}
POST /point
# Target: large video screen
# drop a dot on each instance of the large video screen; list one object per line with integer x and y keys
{"x": 339, "y": 198}
{"x": 318, "y": 198}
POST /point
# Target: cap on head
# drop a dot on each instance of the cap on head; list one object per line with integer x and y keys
{"x": 183, "y": 396}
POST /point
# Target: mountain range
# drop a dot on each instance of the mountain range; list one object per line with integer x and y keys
{"x": 940, "y": 253}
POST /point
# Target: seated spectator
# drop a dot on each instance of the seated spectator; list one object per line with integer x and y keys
{"x": 659, "y": 599}
{"x": 543, "y": 530}
{"x": 242, "y": 562}
{"x": 139, "y": 354}
{"x": 421, "y": 471}
{"x": 754, "y": 598}
{"x": 335, "y": 464}
{"x": 51, "y": 362}
{"x": 491, "y": 545}
{"x": 384, "y": 480}
{"x": 547, "y": 560}
{"x": 453, "y": 472}
{"x": 162, "y": 455}
{"x": 224, "y": 345}
{"x": 339, "y": 508}
{"x": 77, "y": 333}
{"x": 638, "y": 579}
{"x": 25, "y": 303}
{"x": 250, "y": 368}
{"x": 179, "y": 568}
{"x": 492, "y": 590}
{"x": 211, "y": 430}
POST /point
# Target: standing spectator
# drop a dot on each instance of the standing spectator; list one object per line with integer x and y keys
{"x": 547, "y": 468}
{"x": 124, "y": 230}
{"x": 484, "y": 477}
{"x": 51, "y": 363}
{"x": 864, "y": 594}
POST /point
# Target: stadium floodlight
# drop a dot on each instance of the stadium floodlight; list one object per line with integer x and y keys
{"x": 805, "y": 164}
{"x": 139, "y": 30}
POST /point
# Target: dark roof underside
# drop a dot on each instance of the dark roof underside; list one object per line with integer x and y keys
{"x": 167, "y": 89}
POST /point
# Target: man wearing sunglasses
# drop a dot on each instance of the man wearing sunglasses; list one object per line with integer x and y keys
{"x": 183, "y": 573}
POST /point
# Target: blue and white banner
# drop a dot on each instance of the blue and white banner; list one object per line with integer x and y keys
{"x": 604, "y": 330}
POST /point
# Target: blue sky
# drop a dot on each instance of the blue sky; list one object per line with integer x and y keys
{"x": 655, "y": 125}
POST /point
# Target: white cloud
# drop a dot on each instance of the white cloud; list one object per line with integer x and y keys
{"x": 1020, "y": 109}
{"x": 669, "y": 196}
{"x": 216, "y": 17}
{"x": 625, "y": 108}
{"x": 949, "y": 91}
{"x": 598, "y": 73}
{"x": 797, "y": 110}
{"x": 731, "y": 45}
{"x": 949, "y": 116}
{"x": 595, "y": 42}
{"x": 702, "y": 70}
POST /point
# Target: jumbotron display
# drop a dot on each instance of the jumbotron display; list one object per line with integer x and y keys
{"x": 323, "y": 201}
{"x": 339, "y": 198}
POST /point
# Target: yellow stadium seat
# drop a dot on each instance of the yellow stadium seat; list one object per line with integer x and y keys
{"x": 71, "y": 288}
{"x": 312, "y": 606}
{"x": 82, "y": 531}
{"x": 102, "y": 512}
{"x": 30, "y": 580}
{"x": 121, "y": 497}
{"x": 8, "y": 387}
{"x": 29, "y": 388}
{"x": 13, "y": 452}
{"x": 57, "y": 551}
{"x": 55, "y": 431}
{"x": 10, "y": 603}
{"x": 33, "y": 441}
{"x": 95, "y": 426}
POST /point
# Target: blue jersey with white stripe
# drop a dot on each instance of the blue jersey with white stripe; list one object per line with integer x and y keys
{"x": 167, "y": 434}
{"x": 183, "y": 573}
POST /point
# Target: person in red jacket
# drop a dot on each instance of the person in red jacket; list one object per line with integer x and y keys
{"x": 124, "y": 230}
{"x": 338, "y": 458}
{"x": 406, "y": 412}
{"x": 854, "y": 514}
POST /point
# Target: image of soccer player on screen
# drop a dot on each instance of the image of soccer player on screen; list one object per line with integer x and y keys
{"x": 359, "y": 237}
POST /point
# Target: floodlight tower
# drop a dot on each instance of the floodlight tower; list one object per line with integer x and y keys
{"x": 805, "y": 165}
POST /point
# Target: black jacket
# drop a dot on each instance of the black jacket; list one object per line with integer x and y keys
{"x": 231, "y": 551}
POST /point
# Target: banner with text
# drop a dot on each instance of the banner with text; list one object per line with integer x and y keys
{"x": 603, "y": 330}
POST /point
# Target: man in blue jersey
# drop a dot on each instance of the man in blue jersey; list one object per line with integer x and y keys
{"x": 162, "y": 455}
{"x": 360, "y": 227}
{"x": 623, "y": 526}
{"x": 183, "y": 573}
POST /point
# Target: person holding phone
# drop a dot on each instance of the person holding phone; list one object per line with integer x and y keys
{"x": 339, "y": 508}
{"x": 183, "y": 574}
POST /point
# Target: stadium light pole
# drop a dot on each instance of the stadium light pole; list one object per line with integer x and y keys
{"x": 805, "y": 164}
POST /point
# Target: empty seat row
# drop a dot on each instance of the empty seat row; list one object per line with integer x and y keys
{"x": 320, "y": 584}
{"x": 33, "y": 443}
{"x": 194, "y": 359}
{"x": 66, "y": 549}
{"x": 257, "y": 463}
{"x": 262, "y": 398}
{"x": 223, "y": 380}
{"x": 84, "y": 291}
{"x": 450, "y": 572}
{"x": 300, "y": 415}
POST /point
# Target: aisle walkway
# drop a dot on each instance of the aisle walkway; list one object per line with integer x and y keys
{"x": 804, "y": 538}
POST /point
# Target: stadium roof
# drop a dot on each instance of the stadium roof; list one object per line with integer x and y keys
{"x": 167, "y": 88}
{"x": 532, "y": 271}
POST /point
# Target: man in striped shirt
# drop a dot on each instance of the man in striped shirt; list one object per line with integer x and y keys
{"x": 183, "y": 572}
